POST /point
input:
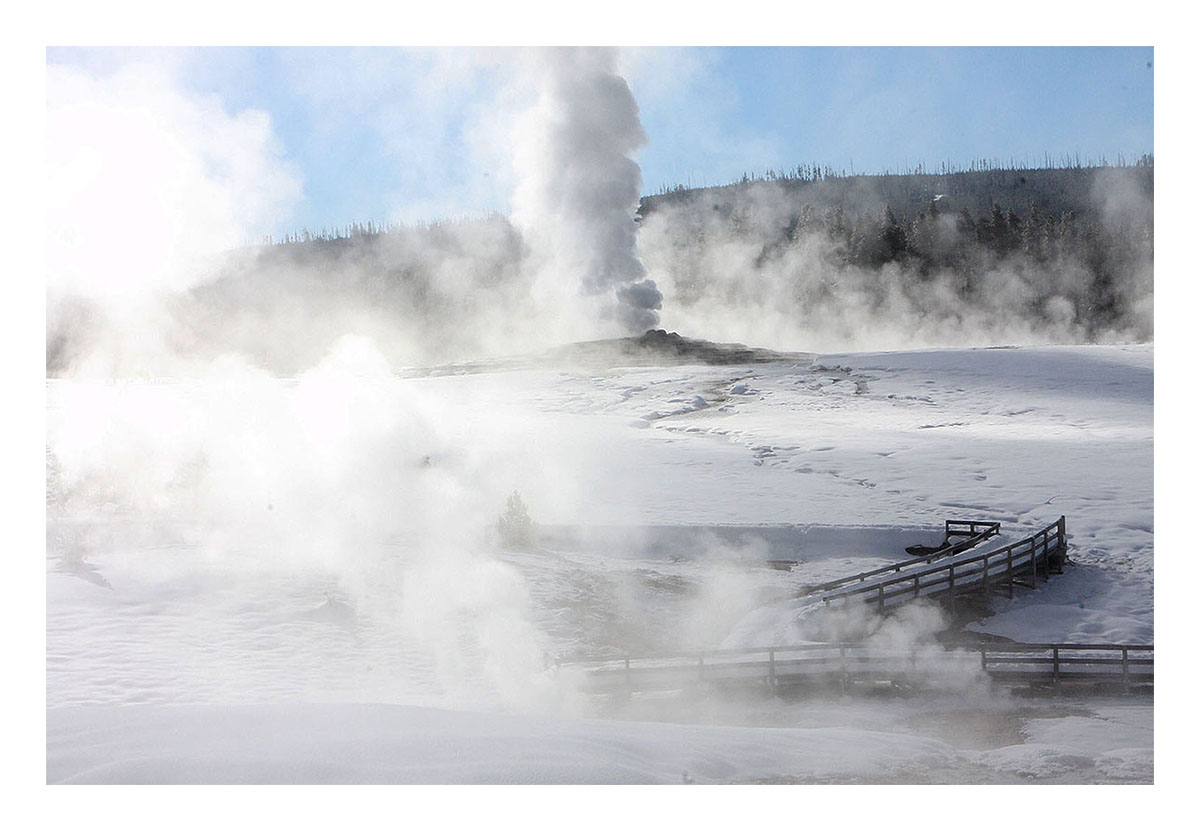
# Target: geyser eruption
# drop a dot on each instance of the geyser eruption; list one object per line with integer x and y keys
{"x": 579, "y": 189}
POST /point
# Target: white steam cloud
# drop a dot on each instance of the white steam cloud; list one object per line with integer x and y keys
{"x": 333, "y": 473}
{"x": 756, "y": 266}
{"x": 579, "y": 189}
{"x": 342, "y": 474}
{"x": 146, "y": 183}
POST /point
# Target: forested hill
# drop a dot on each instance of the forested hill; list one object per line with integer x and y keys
{"x": 965, "y": 258}
{"x": 805, "y": 262}
{"x": 1024, "y": 191}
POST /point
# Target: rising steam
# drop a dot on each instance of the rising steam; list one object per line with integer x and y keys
{"x": 147, "y": 182}
{"x": 763, "y": 264}
{"x": 580, "y": 187}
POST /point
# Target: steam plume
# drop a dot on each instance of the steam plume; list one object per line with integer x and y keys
{"x": 147, "y": 181}
{"x": 579, "y": 188}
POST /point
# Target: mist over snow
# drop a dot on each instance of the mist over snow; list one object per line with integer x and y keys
{"x": 278, "y": 474}
{"x": 340, "y": 478}
{"x": 307, "y": 547}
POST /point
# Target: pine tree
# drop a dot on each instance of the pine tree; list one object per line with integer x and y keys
{"x": 894, "y": 239}
{"x": 515, "y": 525}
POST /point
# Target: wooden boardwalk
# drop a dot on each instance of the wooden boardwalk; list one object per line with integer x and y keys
{"x": 964, "y": 566}
{"x": 958, "y": 570}
{"x": 1126, "y": 667}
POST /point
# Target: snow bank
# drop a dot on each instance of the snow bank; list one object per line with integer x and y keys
{"x": 380, "y": 744}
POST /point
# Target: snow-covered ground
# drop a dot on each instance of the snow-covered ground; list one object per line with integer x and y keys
{"x": 255, "y": 580}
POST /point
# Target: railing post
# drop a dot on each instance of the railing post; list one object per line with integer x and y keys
{"x": 1010, "y": 573}
{"x": 1124, "y": 669}
{"x": 845, "y": 678}
{"x": 916, "y": 585}
{"x": 983, "y": 659}
{"x": 771, "y": 671}
{"x": 1060, "y": 549}
{"x": 701, "y": 677}
{"x": 1056, "y": 668}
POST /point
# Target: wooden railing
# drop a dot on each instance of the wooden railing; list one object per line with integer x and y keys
{"x": 970, "y": 528}
{"x": 975, "y": 533}
{"x": 1043, "y": 552}
{"x": 1009, "y": 663}
{"x": 936, "y": 575}
{"x": 1068, "y": 661}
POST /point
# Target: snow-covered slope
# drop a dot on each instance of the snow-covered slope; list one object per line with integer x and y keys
{"x": 388, "y": 744}
{"x": 224, "y": 546}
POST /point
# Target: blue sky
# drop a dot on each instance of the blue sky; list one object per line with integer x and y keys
{"x": 412, "y": 134}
